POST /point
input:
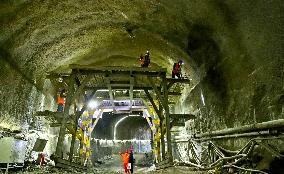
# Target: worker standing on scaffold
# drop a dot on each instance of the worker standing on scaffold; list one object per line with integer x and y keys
{"x": 61, "y": 100}
{"x": 177, "y": 69}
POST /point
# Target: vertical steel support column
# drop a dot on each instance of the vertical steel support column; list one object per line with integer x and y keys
{"x": 158, "y": 151}
{"x": 62, "y": 131}
{"x": 74, "y": 136}
{"x": 167, "y": 117}
{"x": 110, "y": 93}
{"x": 162, "y": 139}
{"x": 162, "y": 133}
{"x": 152, "y": 141}
{"x": 131, "y": 91}
{"x": 81, "y": 151}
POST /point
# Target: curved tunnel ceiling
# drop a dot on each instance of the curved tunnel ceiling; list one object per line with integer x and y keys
{"x": 233, "y": 51}
{"x": 42, "y": 36}
{"x": 225, "y": 44}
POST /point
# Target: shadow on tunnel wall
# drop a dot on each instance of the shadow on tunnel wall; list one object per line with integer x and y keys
{"x": 204, "y": 50}
{"x": 133, "y": 128}
{"x": 129, "y": 128}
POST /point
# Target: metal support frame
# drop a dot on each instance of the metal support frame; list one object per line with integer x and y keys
{"x": 153, "y": 104}
{"x": 110, "y": 94}
{"x": 184, "y": 116}
{"x": 167, "y": 118}
{"x": 161, "y": 143}
{"x": 77, "y": 116}
{"x": 131, "y": 90}
{"x": 171, "y": 82}
{"x": 175, "y": 122}
{"x": 133, "y": 72}
{"x": 162, "y": 139}
{"x": 72, "y": 94}
{"x": 97, "y": 119}
{"x": 74, "y": 135}
{"x": 87, "y": 69}
{"x": 68, "y": 102}
{"x": 163, "y": 101}
{"x": 158, "y": 151}
{"x": 81, "y": 87}
{"x": 174, "y": 93}
{"x": 158, "y": 92}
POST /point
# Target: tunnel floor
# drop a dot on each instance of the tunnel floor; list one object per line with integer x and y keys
{"x": 114, "y": 165}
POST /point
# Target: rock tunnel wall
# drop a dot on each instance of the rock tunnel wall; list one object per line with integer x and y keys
{"x": 241, "y": 67}
{"x": 227, "y": 44}
{"x": 21, "y": 96}
{"x": 240, "y": 64}
{"x": 20, "y": 99}
{"x": 234, "y": 50}
{"x": 18, "y": 96}
{"x": 134, "y": 128}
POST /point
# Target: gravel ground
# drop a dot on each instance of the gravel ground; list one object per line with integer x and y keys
{"x": 113, "y": 165}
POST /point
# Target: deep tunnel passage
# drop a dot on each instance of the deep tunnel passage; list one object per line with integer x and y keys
{"x": 225, "y": 115}
{"x": 133, "y": 128}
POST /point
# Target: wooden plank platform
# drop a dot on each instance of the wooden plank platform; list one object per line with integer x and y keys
{"x": 171, "y": 80}
{"x": 116, "y": 68}
{"x": 87, "y": 69}
{"x": 49, "y": 113}
{"x": 184, "y": 116}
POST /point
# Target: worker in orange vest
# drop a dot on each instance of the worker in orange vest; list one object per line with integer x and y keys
{"x": 61, "y": 101}
{"x": 125, "y": 159}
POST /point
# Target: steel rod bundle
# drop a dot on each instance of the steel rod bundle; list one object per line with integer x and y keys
{"x": 216, "y": 159}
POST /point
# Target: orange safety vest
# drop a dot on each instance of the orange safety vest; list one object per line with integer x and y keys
{"x": 125, "y": 157}
{"x": 141, "y": 60}
{"x": 60, "y": 100}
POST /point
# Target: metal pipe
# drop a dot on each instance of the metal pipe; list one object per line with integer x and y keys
{"x": 250, "y": 134}
{"x": 247, "y": 128}
{"x": 250, "y": 145}
{"x": 227, "y": 158}
{"x": 213, "y": 165}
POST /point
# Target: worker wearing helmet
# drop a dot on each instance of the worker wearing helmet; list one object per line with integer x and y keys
{"x": 177, "y": 69}
{"x": 145, "y": 61}
{"x": 61, "y": 101}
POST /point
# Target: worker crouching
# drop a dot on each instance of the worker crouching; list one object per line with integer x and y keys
{"x": 145, "y": 60}
{"x": 177, "y": 69}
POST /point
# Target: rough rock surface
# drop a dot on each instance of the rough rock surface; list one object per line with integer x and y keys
{"x": 233, "y": 52}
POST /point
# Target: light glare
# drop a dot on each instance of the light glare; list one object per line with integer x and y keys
{"x": 92, "y": 104}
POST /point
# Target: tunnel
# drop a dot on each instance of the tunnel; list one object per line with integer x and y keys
{"x": 184, "y": 86}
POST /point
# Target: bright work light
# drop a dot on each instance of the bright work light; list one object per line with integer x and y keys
{"x": 92, "y": 104}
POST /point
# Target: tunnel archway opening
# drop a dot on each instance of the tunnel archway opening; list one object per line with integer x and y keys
{"x": 132, "y": 127}
{"x": 123, "y": 131}
{"x": 124, "y": 127}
